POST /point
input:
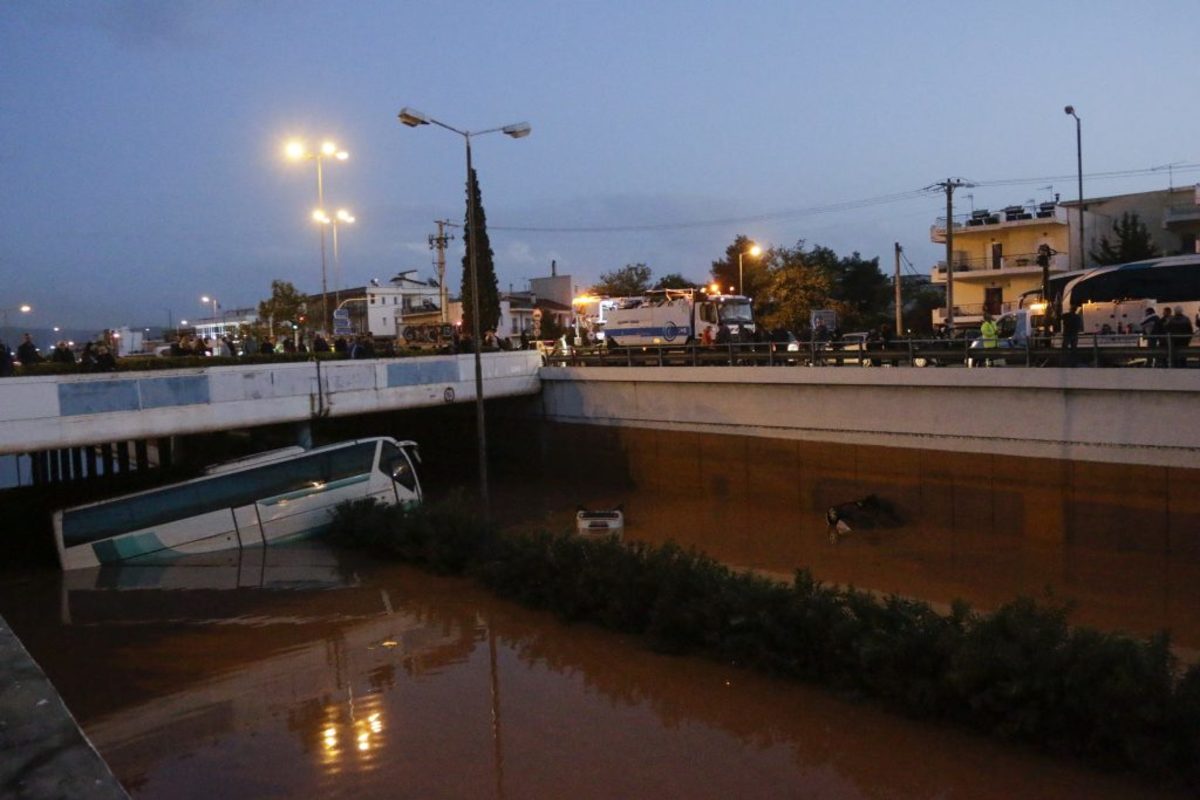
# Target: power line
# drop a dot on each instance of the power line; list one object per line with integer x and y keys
{"x": 831, "y": 208}
{"x": 847, "y": 205}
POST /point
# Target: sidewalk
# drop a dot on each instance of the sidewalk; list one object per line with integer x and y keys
{"x": 43, "y": 753}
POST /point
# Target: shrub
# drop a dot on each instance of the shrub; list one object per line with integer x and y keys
{"x": 1020, "y": 673}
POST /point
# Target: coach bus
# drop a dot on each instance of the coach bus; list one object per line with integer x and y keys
{"x": 254, "y": 502}
{"x": 1170, "y": 280}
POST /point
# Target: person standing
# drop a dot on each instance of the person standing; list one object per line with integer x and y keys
{"x": 62, "y": 354}
{"x": 1072, "y": 323}
{"x": 6, "y": 360}
{"x": 1178, "y": 329}
{"x": 1152, "y": 331}
{"x": 27, "y": 352}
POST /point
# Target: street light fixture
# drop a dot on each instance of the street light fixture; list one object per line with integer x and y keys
{"x": 754, "y": 251}
{"x": 341, "y": 217}
{"x": 1070, "y": 111}
{"x": 413, "y": 118}
{"x": 24, "y": 308}
{"x": 297, "y": 150}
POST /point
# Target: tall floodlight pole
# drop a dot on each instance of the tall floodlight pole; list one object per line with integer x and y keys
{"x": 754, "y": 251}
{"x": 342, "y": 217}
{"x": 298, "y": 151}
{"x": 1070, "y": 112}
{"x": 217, "y": 326}
{"x": 413, "y": 118}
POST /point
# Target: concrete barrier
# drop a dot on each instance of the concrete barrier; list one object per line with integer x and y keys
{"x": 60, "y": 411}
{"x": 1126, "y": 416}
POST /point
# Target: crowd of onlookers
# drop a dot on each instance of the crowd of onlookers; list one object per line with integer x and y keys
{"x": 101, "y": 355}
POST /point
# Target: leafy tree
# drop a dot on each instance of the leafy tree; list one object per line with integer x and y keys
{"x": 674, "y": 280}
{"x": 283, "y": 306}
{"x": 754, "y": 277}
{"x": 551, "y": 328}
{"x": 632, "y": 279}
{"x": 1133, "y": 242}
{"x": 794, "y": 289}
{"x": 918, "y": 306}
{"x": 865, "y": 292}
{"x": 489, "y": 292}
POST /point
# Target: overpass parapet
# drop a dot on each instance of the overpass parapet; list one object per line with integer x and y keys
{"x": 59, "y": 411}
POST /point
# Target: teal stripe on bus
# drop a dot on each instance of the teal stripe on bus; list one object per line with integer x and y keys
{"x": 125, "y": 547}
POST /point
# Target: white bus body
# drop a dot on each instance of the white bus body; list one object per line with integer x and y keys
{"x": 1168, "y": 281}
{"x": 263, "y": 500}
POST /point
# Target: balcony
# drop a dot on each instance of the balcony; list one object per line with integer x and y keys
{"x": 1010, "y": 217}
{"x": 1010, "y": 265}
{"x": 1181, "y": 214}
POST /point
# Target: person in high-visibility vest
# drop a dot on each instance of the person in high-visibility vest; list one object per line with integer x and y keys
{"x": 989, "y": 331}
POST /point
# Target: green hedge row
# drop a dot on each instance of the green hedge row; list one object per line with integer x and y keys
{"x": 1021, "y": 673}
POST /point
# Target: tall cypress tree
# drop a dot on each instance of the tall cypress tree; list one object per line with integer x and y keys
{"x": 489, "y": 293}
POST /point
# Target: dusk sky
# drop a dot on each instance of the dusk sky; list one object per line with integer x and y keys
{"x": 141, "y": 141}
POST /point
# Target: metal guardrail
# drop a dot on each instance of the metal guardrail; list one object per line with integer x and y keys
{"x": 1092, "y": 350}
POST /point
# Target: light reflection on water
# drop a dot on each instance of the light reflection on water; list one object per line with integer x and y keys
{"x": 352, "y": 679}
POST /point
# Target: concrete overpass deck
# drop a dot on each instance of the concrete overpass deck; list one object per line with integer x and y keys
{"x": 63, "y": 411}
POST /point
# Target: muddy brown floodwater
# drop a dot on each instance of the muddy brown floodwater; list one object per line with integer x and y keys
{"x": 309, "y": 672}
{"x": 316, "y": 673}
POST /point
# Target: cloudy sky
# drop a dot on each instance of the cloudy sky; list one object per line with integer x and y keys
{"x": 141, "y": 141}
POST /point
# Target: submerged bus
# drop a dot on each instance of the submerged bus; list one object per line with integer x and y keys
{"x": 253, "y": 502}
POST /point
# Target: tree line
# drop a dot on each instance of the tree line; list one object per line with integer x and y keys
{"x": 786, "y": 284}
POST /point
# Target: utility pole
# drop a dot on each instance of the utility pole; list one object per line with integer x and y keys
{"x": 949, "y": 185}
{"x": 899, "y": 308}
{"x": 438, "y": 243}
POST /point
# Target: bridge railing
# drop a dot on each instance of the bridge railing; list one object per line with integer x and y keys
{"x": 1094, "y": 350}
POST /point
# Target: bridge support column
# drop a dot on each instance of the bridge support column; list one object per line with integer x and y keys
{"x": 123, "y": 457}
{"x": 303, "y": 434}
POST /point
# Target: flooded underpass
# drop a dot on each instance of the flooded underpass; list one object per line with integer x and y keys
{"x": 318, "y": 674}
{"x": 314, "y": 672}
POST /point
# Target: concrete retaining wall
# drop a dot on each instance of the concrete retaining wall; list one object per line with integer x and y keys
{"x": 1125, "y": 416}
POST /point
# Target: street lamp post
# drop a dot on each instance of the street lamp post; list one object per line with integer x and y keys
{"x": 297, "y": 151}
{"x": 413, "y": 118}
{"x": 342, "y": 217}
{"x": 215, "y": 306}
{"x": 1070, "y": 111}
{"x": 754, "y": 251}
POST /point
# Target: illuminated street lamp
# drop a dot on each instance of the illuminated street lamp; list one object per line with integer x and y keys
{"x": 215, "y": 306}
{"x": 341, "y": 217}
{"x": 1070, "y": 112}
{"x": 754, "y": 251}
{"x": 296, "y": 150}
{"x": 413, "y": 118}
{"x": 24, "y": 308}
